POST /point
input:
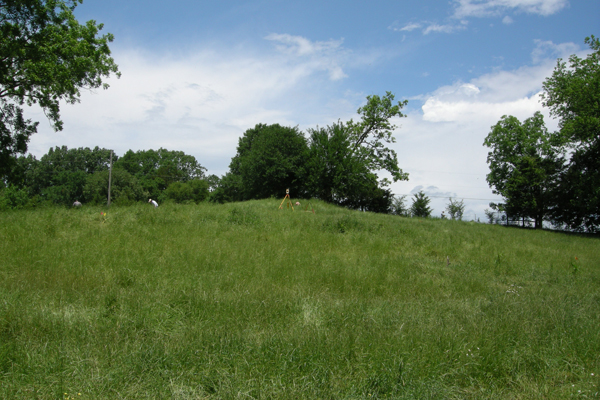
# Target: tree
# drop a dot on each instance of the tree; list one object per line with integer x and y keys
{"x": 344, "y": 158}
{"x": 124, "y": 190}
{"x": 573, "y": 94}
{"x": 195, "y": 190}
{"x": 269, "y": 160}
{"x": 420, "y": 205}
{"x": 455, "y": 208}
{"x": 46, "y": 57}
{"x": 367, "y": 136}
{"x": 60, "y": 175}
{"x": 399, "y": 206}
{"x": 523, "y": 167}
{"x": 155, "y": 170}
{"x": 336, "y": 175}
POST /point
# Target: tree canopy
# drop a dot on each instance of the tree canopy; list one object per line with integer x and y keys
{"x": 572, "y": 94}
{"x": 375, "y": 128}
{"x": 46, "y": 56}
{"x": 155, "y": 170}
{"x": 420, "y": 205}
{"x": 523, "y": 167}
{"x": 338, "y": 163}
{"x": 269, "y": 160}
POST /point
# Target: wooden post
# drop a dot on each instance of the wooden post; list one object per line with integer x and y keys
{"x": 109, "y": 178}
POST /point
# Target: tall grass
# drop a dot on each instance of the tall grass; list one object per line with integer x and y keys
{"x": 248, "y": 301}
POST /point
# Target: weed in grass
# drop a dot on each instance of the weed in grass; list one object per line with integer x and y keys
{"x": 575, "y": 266}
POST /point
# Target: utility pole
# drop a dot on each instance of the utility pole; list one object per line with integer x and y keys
{"x": 109, "y": 178}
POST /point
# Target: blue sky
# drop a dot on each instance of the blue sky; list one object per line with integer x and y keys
{"x": 197, "y": 74}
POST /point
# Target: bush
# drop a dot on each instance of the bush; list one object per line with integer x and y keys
{"x": 195, "y": 190}
{"x": 13, "y": 198}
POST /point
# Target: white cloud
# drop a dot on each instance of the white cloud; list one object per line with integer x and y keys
{"x": 201, "y": 104}
{"x": 546, "y": 49}
{"x": 410, "y": 27}
{"x": 507, "y": 20}
{"x": 429, "y": 27}
{"x": 443, "y": 28}
{"x": 326, "y": 55}
{"x": 441, "y": 145}
{"x": 487, "y": 8}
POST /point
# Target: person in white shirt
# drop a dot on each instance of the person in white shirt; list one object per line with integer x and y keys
{"x": 154, "y": 203}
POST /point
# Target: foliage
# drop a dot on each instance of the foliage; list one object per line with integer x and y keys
{"x": 46, "y": 57}
{"x": 229, "y": 189}
{"x": 367, "y": 136}
{"x": 124, "y": 190}
{"x": 455, "y": 209}
{"x": 523, "y": 167}
{"x": 399, "y": 206}
{"x": 489, "y": 214}
{"x": 195, "y": 190}
{"x": 13, "y": 198}
{"x": 213, "y": 182}
{"x": 14, "y": 135}
{"x": 155, "y": 170}
{"x": 573, "y": 94}
{"x": 338, "y": 176}
{"x": 269, "y": 160}
{"x": 345, "y": 157}
{"x": 60, "y": 175}
{"x": 420, "y": 205}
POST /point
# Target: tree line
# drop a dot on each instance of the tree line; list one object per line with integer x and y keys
{"x": 63, "y": 176}
{"x": 553, "y": 176}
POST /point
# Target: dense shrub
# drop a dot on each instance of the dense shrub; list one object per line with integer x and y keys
{"x": 195, "y": 190}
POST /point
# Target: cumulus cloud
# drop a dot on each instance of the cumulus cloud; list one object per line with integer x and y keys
{"x": 201, "y": 103}
{"x": 489, "y": 8}
{"x": 441, "y": 144}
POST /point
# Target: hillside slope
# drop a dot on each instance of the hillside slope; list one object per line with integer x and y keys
{"x": 249, "y": 301}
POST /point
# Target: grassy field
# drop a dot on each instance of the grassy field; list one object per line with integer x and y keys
{"x": 245, "y": 301}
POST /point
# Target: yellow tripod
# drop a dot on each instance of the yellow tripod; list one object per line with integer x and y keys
{"x": 289, "y": 200}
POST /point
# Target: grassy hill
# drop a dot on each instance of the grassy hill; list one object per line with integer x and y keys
{"x": 251, "y": 302}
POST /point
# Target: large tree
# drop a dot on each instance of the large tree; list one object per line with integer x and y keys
{"x": 523, "y": 167}
{"x": 269, "y": 160}
{"x": 369, "y": 135}
{"x": 573, "y": 94}
{"x": 337, "y": 175}
{"x": 346, "y": 157}
{"x": 46, "y": 57}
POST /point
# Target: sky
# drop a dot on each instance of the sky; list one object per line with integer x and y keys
{"x": 197, "y": 74}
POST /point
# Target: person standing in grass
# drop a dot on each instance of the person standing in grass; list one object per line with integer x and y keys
{"x": 154, "y": 203}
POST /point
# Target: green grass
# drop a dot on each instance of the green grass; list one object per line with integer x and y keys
{"x": 245, "y": 301}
